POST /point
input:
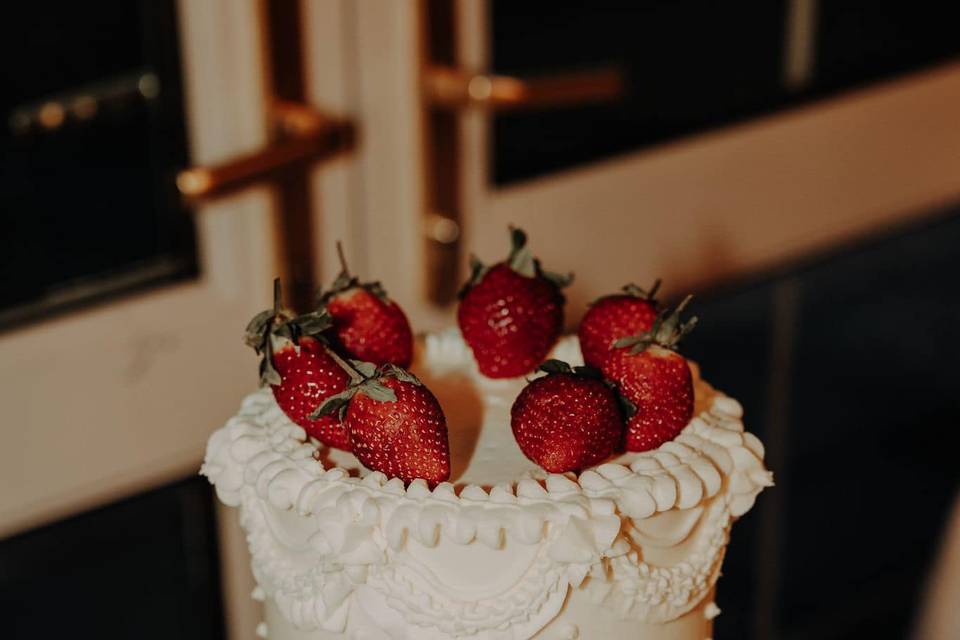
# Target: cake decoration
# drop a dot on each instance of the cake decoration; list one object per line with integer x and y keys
{"x": 655, "y": 378}
{"x": 367, "y": 325}
{"x": 511, "y": 314}
{"x": 300, "y": 367}
{"x": 395, "y": 424}
{"x": 614, "y": 316}
{"x": 569, "y": 419}
{"x": 574, "y": 504}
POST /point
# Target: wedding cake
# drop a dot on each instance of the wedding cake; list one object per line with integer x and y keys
{"x": 492, "y": 545}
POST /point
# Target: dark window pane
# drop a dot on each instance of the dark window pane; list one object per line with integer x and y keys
{"x": 87, "y": 196}
{"x": 689, "y": 66}
{"x": 861, "y": 41}
{"x": 145, "y": 568}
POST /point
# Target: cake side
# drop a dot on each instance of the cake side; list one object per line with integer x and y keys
{"x": 578, "y": 619}
{"x": 337, "y": 549}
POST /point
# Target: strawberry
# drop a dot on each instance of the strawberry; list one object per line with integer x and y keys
{"x": 568, "y": 420}
{"x": 367, "y": 324}
{"x": 511, "y": 314}
{"x": 300, "y": 367}
{"x": 655, "y": 379}
{"x": 610, "y": 317}
{"x": 395, "y": 423}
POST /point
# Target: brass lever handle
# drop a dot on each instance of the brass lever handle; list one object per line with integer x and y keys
{"x": 301, "y": 135}
{"x": 454, "y": 88}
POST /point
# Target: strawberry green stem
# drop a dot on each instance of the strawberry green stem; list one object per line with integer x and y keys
{"x": 344, "y": 269}
{"x": 667, "y": 331}
{"x": 355, "y": 376}
{"x": 644, "y": 294}
{"x": 520, "y": 258}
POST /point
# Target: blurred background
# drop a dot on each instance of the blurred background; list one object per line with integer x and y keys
{"x": 795, "y": 163}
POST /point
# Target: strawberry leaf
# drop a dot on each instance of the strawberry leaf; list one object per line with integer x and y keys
{"x": 667, "y": 331}
{"x": 366, "y": 369}
{"x": 399, "y": 373}
{"x": 555, "y": 366}
{"x": 588, "y": 372}
{"x": 636, "y": 291}
{"x": 376, "y": 391}
{"x": 629, "y": 409}
{"x": 520, "y": 259}
{"x": 266, "y": 325}
{"x": 288, "y": 331}
{"x": 268, "y": 375}
{"x": 257, "y": 327}
{"x": 561, "y": 280}
{"x": 643, "y": 340}
{"x": 645, "y": 294}
{"x": 376, "y": 289}
{"x": 346, "y": 281}
{"x": 313, "y": 323}
{"x": 477, "y": 271}
{"x": 336, "y": 403}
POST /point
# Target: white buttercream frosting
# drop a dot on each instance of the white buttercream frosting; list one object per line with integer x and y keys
{"x": 495, "y": 554}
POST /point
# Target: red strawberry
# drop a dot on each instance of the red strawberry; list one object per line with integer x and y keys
{"x": 568, "y": 420}
{"x": 396, "y": 424}
{"x": 511, "y": 314}
{"x": 300, "y": 368}
{"x": 610, "y": 317}
{"x": 655, "y": 379}
{"x": 307, "y": 379}
{"x": 367, "y": 324}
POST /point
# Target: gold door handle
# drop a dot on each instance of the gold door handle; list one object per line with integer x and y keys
{"x": 455, "y": 88}
{"x": 299, "y": 137}
{"x": 300, "y": 134}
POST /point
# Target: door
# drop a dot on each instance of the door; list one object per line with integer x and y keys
{"x": 728, "y": 140}
{"x": 120, "y": 395}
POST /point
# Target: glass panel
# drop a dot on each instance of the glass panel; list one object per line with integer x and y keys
{"x": 144, "y": 568}
{"x": 861, "y": 41}
{"x": 689, "y": 66}
{"x": 90, "y": 140}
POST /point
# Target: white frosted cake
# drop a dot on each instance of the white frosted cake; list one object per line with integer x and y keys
{"x": 631, "y": 548}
